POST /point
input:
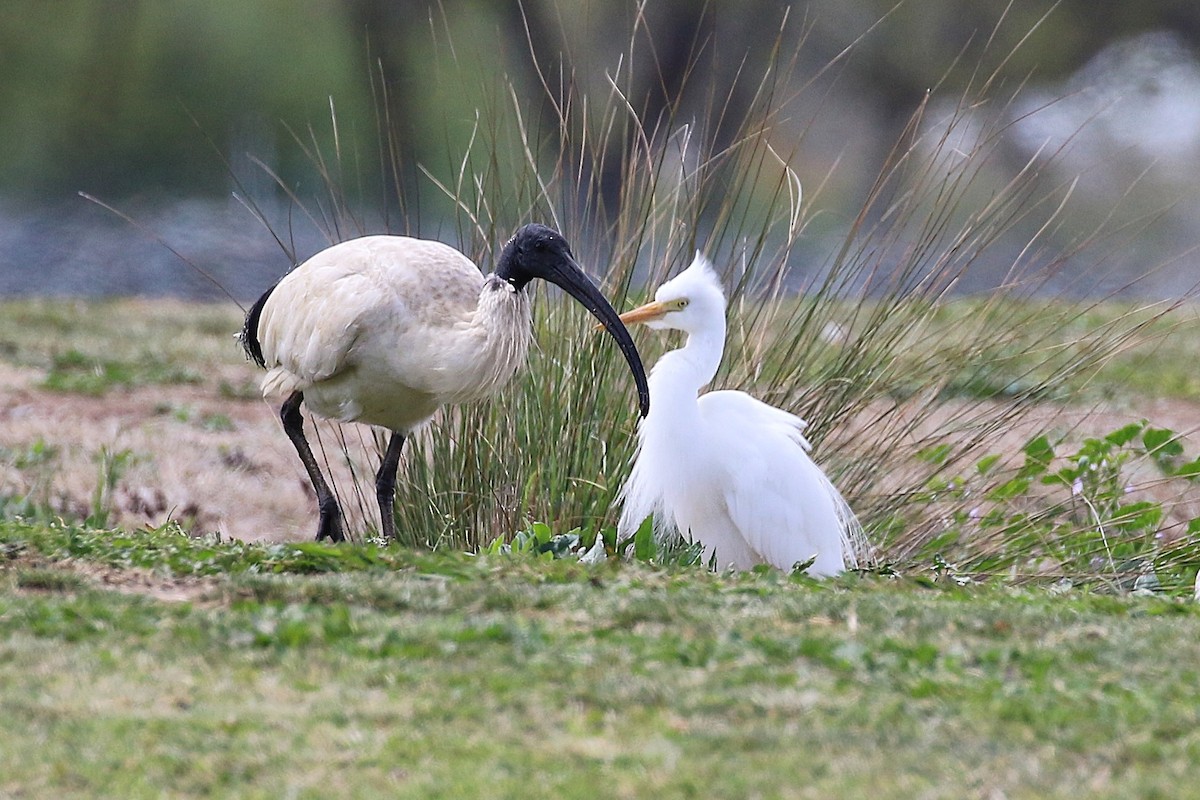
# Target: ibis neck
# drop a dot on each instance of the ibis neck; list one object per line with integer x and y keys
{"x": 501, "y": 327}
{"x": 505, "y": 314}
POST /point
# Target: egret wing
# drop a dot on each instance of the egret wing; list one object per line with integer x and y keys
{"x": 642, "y": 494}
{"x": 779, "y": 500}
{"x": 741, "y": 410}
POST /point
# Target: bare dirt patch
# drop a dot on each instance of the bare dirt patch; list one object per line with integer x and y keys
{"x": 146, "y": 583}
{"x": 216, "y": 463}
{"x": 125, "y": 580}
{"x": 187, "y": 453}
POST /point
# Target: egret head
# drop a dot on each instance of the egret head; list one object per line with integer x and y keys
{"x": 536, "y": 251}
{"x": 689, "y": 302}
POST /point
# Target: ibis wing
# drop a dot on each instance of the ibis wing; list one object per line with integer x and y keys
{"x": 357, "y": 301}
{"x": 309, "y": 324}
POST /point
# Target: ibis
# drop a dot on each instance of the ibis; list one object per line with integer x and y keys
{"x": 384, "y": 330}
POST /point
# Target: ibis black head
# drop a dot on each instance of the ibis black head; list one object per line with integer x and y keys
{"x": 536, "y": 251}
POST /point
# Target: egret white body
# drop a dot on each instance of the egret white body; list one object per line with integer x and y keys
{"x": 384, "y": 330}
{"x": 723, "y": 468}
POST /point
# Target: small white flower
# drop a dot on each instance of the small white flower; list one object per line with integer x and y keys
{"x": 1077, "y": 487}
{"x": 596, "y": 555}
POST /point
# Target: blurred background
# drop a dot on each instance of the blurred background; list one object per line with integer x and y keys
{"x": 171, "y": 110}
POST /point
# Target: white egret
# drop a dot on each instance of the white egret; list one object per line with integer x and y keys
{"x": 384, "y": 330}
{"x": 725, "y": 469}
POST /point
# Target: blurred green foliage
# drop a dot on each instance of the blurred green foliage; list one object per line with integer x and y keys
{"x": 101, "y": 96}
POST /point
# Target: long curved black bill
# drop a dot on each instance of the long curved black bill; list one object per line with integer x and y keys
{"x": 571, "y": 279}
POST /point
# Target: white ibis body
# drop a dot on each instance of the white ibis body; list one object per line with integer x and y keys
{"x": 731, "y": 472}
{"x": 384, "y": 330}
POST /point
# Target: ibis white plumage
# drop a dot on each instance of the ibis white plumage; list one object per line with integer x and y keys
{"x": 723, "y": 468}
{"x": 384, "y": 330}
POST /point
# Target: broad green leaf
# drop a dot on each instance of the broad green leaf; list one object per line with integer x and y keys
{"x": 541, "y": 532}
{"x": 644, "y": 548}
{"x": 1144, "y": 515}
{"x": 986, "y": 463}
{"x": 1038, "y": 455}
{"x": 936, "y": 454}
{"x": 1124, "y": 435}
{"x": 1162, "y": 442}
{"x": 1009, "y": 489}
{"x": 1190, "y": 470}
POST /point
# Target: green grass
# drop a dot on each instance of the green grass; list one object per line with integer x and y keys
{"x": 92, "y": 347}
{"x": 1152, "y": 365}
{"x": 455, "y": 676}
{"x": 76, "y": 372}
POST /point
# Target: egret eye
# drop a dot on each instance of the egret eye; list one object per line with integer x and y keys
{"x": 681, "y": 303}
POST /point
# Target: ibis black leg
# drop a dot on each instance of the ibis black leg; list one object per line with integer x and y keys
{"x": 385, "y": 486}
{"x": 330, "y": 524}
